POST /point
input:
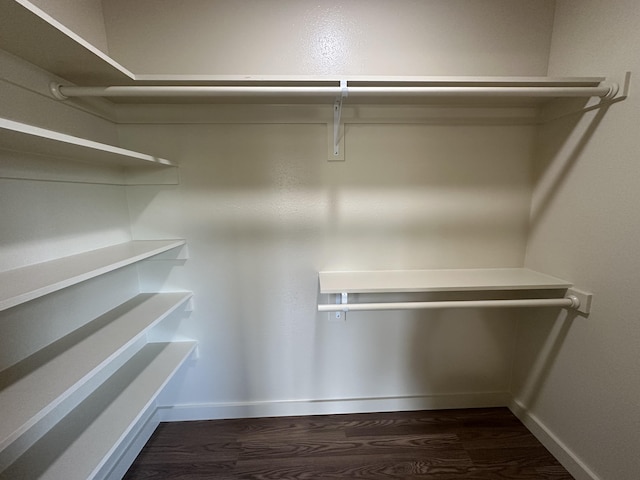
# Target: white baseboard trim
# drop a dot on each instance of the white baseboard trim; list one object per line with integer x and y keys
{"x": 216, "y": 411}
{"x": 569, "y": 460}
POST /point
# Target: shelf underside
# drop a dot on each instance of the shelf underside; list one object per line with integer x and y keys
{"x": 453, "y": 280}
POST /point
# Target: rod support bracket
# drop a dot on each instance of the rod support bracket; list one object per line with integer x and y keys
{"x": 342, "y": 299}
{"x": 54, "y": 88}
{"x": 337, "y": 114}
{"x": 336, "y": 153}
{"x": 581, "y": 300}
{"x": 614, "y": 88}
{"x": 618, "y": 87}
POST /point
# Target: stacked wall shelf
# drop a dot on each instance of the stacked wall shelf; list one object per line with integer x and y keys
{"x": 28, "y": 283}
{"x": 82, "y": 446}
{"x": 73, "y": 408}
{"x": 97, "y": 361}
{"x": 76, "y": 364}
{"x": 16, "y": 136}
{"x": 49, "y": 155}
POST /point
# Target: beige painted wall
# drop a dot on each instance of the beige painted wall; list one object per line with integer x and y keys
{"x": 263, "y": 211}
{"x": 332, "y": 37}
{"x": 581, "y": 377}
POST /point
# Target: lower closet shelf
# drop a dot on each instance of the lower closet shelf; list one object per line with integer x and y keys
{"x": 82, "y": 443}
{"x": 487, "y": 280}
{"x": 35, "y": 387}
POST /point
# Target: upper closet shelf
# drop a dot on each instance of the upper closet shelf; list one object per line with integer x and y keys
{"x": 28, "y": 283}
{"x": 28, "y": 32}
{"x": 16, "y": 136}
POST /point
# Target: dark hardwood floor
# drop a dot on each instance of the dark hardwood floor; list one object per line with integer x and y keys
{"x": 465, "y": 444}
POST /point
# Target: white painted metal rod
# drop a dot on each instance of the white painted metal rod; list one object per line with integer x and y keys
{"x": 62, "y": 91}
{"x": 568, "y": 302}
{"x": 599, "y": 91}
{"x": 200, "y": 91}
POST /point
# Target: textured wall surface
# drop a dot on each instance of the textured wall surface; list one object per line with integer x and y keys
{"x": 263, "y": 211}
{"x": 581, "y": 377}
{"x": 358, "y": 37}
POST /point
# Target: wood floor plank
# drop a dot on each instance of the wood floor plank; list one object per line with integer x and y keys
{"x": 420, "y": 446}
{"x": 348, "y": 466}
{"x": 554, "y": 472}
{"x": 190, "y": 452}
{"x": 183, "y": 471}
{"x": 415, "y": 426}
{"x": 294, "y": 428}
{"x": 473, "y": 438}
{"x": 468, "y": 444}
{"x": 536, "y": 456}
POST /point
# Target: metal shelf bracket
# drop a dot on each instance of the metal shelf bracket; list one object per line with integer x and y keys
{"x": 339, "y": 314}
{"x": 336, "y": 152}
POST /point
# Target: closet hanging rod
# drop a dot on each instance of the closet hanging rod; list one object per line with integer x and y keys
{"x": 64, "y": 91}
{"x": 568, "y": 302}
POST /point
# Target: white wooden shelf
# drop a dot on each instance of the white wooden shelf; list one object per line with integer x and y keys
{"x": 85, "y": 440}
{"x": 28, "y": 283}
{"x": 459, "y": 280}
{"x": 31, "y": 396}
{"x": 28, "y": 32}
{"x": 456, "y": 280}
{"x": 16, "y": 136}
